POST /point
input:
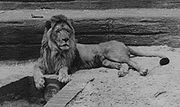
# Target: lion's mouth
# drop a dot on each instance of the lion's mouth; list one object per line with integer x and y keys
{"x": 64, "y": 46}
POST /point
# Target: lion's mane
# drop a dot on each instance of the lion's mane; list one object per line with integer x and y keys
{"x": 51, "y": 59}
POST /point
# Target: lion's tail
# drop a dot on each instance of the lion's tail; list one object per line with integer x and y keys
{"x": 164, "y": 60}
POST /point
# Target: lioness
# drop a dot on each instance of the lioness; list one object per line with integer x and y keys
{"x": 61, "y": 55}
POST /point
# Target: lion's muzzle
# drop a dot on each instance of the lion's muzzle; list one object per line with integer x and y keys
{"x": 64, "y": 46}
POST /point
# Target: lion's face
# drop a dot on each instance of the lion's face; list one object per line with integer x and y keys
{"x": 62, "y": 35}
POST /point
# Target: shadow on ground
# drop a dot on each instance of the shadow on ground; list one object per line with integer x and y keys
{"x": 22, "y": 93}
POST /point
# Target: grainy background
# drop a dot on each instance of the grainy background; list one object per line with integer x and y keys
{"x": 137, "y": 23}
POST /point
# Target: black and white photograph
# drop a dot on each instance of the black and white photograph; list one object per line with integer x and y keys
{"x": 89, "y": 53}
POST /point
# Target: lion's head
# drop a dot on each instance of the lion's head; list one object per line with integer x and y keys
{"x": 60, "y": 33}
{"x": 58, "y": 43}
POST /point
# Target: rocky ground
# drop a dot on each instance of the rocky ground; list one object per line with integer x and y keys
{"x": 160, "y": 88}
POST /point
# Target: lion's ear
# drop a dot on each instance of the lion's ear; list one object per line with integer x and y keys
{"x": 71, "y": 24}
{"x": 48, "y": 25}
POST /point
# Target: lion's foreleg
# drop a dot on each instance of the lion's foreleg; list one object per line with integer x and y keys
{"x": 38, "y": 77}
{"x": 63, "y": 75}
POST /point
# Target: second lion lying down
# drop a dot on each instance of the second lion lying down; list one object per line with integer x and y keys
{"x": 62, "y": 56}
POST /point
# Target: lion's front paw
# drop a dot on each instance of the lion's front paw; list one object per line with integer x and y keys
{"x": 40, "y": 83}
{"x": 64, "y": 78}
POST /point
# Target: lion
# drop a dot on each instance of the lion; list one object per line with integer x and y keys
{"x": 57, "y": 52}
{"x": 61, "y": 56}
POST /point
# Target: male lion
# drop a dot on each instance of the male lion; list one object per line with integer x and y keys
{"x": 60, "y": 55}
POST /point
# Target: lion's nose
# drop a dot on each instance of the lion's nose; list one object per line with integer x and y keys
{"x": 65, "y": 39}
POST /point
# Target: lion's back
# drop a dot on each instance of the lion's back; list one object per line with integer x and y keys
{"x": 113, "y": 45}
{"x": 115, "y": 49}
